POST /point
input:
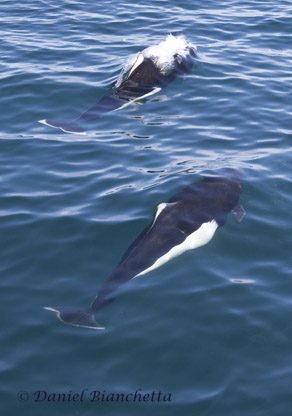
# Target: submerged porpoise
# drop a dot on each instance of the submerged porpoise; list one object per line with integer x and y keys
{"x": 150, "y": 71}
{"x": 188, "y": 220}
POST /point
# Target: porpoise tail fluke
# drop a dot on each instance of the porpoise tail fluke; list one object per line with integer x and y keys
{"x": 75, "y": 317}
{"x": 65, "y": 126}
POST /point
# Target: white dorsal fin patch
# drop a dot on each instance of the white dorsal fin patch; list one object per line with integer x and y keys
{"x": 197, "y": 239}
{"x": 139, "y": 60}
{"x": 160, "y": 208}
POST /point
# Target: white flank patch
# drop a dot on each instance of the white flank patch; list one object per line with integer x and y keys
{"x": 197, "y": 239}
{"x": 154, "y": 91}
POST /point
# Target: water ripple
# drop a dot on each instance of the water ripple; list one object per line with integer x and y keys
{"x": 212, "y": 326}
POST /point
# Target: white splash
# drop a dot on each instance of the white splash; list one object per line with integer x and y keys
{"x": 163, "y": 55}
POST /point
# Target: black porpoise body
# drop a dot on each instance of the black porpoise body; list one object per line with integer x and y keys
{"x": 188, "y": 220}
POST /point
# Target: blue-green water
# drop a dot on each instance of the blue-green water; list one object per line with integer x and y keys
{"x": 212, "y": 328}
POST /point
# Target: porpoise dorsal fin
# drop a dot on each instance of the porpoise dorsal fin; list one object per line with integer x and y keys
{"x": 239, "y": 212}
{"x": 159, "y": 209}
{"x": 138, "y": 62}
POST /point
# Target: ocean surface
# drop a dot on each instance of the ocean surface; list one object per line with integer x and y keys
{"x": 207, "y": 334}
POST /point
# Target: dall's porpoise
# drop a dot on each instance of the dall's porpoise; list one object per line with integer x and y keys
{"x": 188, "y": 220}
{"x": 144, "y": 75}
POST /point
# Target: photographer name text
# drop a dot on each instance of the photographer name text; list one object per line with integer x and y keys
{"x": 94, "y": 396}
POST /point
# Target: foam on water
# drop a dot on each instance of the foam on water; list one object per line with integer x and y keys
{"x": 163, "y": 55}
